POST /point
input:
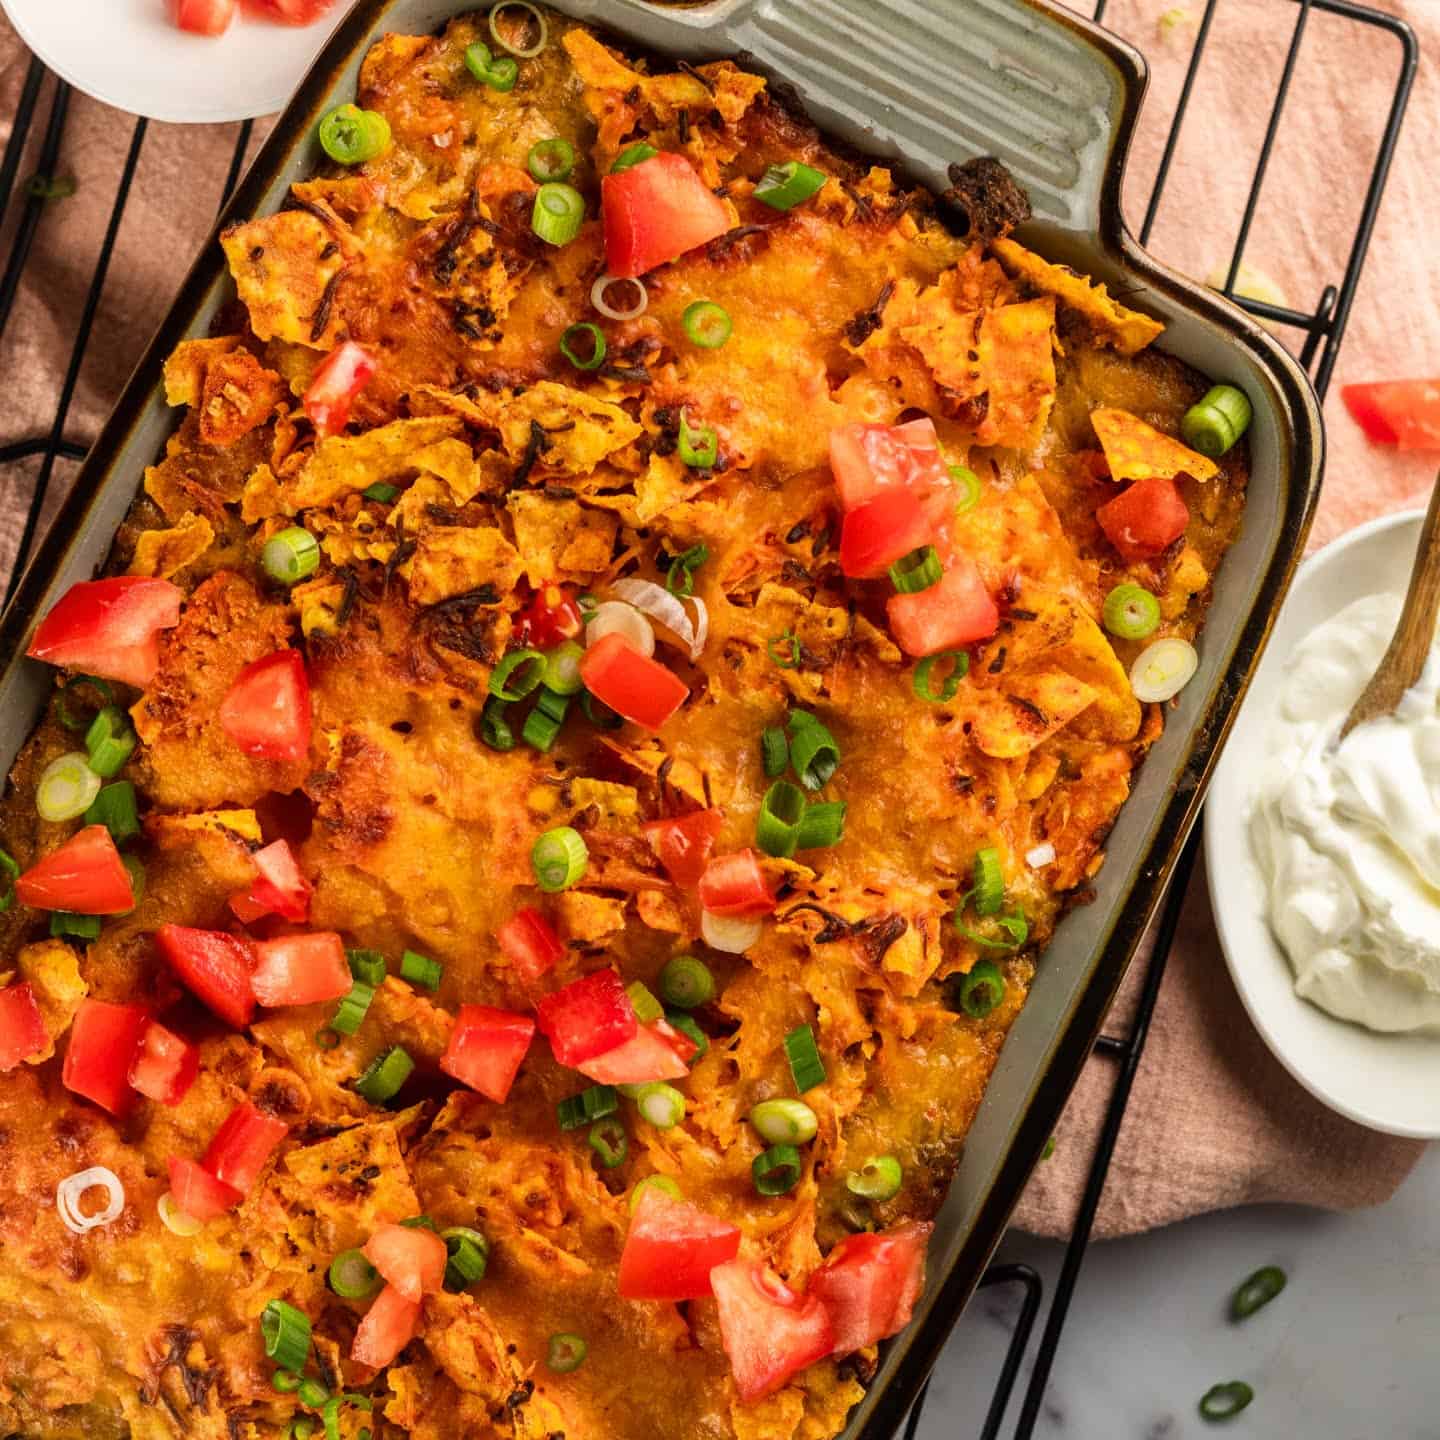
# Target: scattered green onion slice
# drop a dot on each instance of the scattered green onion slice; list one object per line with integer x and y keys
{"x": 114, "y": 808}
{"x": 559, "y": 858}
{"x": 287, "y": 1382}
{"x": 286, "y": 1333}
{"x": 566, "y": 1352}
{"x": 687, "y": 982}
{"x": 1163, "y": 669}
{"x": 327, "y": 1039}
{"x": 9, "y": 874}
{"x": 552, "y": 703}
{"x": 558, "y": 213}
{"x": 917, "y": 571}
{"x": 967, "y": 482}
{"x": 290, "y": 556}
{"x": 599, "y": 714}
{"x": 498, "y": 74}
{"x": 813, "y": 753}
{"x": 653, "y": 1182}
{"x": 960, "y": 668}
{"x": 1131, "y": 612}
{"x": 607, "y": 1138}
{"x": 517, "y": 674}
{"x": 633, "y": 155}
{"x": 109, "y": 742}
{"x": 680, "y": 578}
{"x": 593, "y": 335}
{"x": 1256, "y": 1291}
{"x": 380, "y": 492}
{"x": 981, "y": 989}
{"x": 806, "y": 1067}
{"x": 352, "y": 1276}
{"x": 776, "y": 1171}
{"x": 784, "y": 650}
{"x": 774, "y": 750}
{"x": 707, "y": 324}
{"x": 421, "y": 970}
{"x": 551, "y": 159}
{"x": 1218, "y": 421}
{"x": 302, "y": 1427}
{"x": 661, "y": 1104}
{"x": 647, "y": 1008}
{"x": 784, "y": 1122}
{"x": 421, "y": 1222}
{"x": 82, "y": 927}
{"x": 367, "y": 966}
{"x": 822, "y": 825}
{"x": 353, "y": 1009}
{"x": 384, "y": 1075}
{"x": 1223, "y": 1402}
{"x": 495, "y": 729}
{"x": 562, "y": 669}
{"x": 526, "y": 51}
{"x": 879, "y": 1178}
{"x": 989, "y": 892}
{"x": 783, "y": 187}
{"x": 1014, "y": 925}
{"x": 540, "y": 730}
{"x": 67, "y": 788}
{"x": 64, "y": 712}
{"x": 777, "y": 829}
{"x": 685, "y": 1024}
{"x": 468, "y": 1253}
{"x": 589, "y": 1105}
{"x": 312, "y": 1393}
{"x": 351, "y": 136}
{"x": 700, "y": 448}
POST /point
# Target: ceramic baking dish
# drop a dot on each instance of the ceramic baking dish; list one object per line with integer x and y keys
{"x": 921, "y": 84}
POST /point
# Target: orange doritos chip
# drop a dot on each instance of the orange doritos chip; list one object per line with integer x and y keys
{"x": 1137, "y": 451}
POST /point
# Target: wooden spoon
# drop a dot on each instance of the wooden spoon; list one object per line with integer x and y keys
{"x": 1414, "y": 635}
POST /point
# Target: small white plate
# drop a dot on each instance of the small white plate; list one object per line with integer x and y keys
{"x": 1386, "y": 1082}
{"x": 128, "y": 54}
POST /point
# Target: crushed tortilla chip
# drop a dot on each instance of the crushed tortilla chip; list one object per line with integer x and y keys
{"x": 560, "y": 537}
{"x": 449, "y": 560}
{"x": 284, "y": 265}
{"x": 162, "y": 553}
{"x": 1137, "y": 451}
{"x": 239, "y": 395}
{"x": 345, "y": 464}
{"x": 186, "y": 366}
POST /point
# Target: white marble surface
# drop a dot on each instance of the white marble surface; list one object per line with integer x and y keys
{"x": 1349, "y": 1351}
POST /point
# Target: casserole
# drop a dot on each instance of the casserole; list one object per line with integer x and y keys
{"x": 1088, "y": 957}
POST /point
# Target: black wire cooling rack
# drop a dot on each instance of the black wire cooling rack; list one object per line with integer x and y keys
{"x": 1323, "y": 330}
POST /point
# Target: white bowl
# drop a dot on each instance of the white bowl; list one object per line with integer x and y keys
{"x": 1386, "y": 1082}
{"x": 128, "y": 54}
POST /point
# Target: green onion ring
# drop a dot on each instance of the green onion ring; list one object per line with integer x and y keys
{"x": 822, "y": 825}
{"x": 66, "y": 716}
{"x": 551, "y": 159}
{"x": 607, "y": 1138}
{"x": 777, "y": 828}
{"x": 653, "y": 1182}
{"x": 661, "y": 1104}
{"x": 878, "y": 1179}
{"x": 783, "y": 187}
{"x": 558, "y": 213}
{"x": 706, "y": 324}
{"x": 784, "y": 1122}
{"x": 917, "y": 571}
{"x": 559, "y": 858}
{"x": 969, "y": 485}
{"x": 982, "y": 989}
{"x": 814, "y": 755}
{"x": 633, "y": 155}
{"x": 286, "y": 1334}
{"x": 352, "y": 1276}
{"x": 776, "y": 1171}
{"x": 1131, "y": 612}
{"x": 468, "y": 1253}
{"x": 989, "y": 892}
{"x": 290, "y": 555}
{"x": 1224, "y": 1402}
{"x": 789, "y": 657}
{"x": 525, "y": 52}
{"x": 1256, "y": 1291}
{"x": 67, "y": 787}
{"x": 687, "y": 982}
{"x": 566, "y": 1352}
{"x": 806, "y": 1067}
{"x": 774, "y": 750}
{"x": 530, "y": 665}
{"x": 596, "y": 337}
{"x": 949, "y": 687}
{"x": 1218, "y": 421}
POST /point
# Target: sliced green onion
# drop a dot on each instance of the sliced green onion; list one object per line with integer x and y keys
{"x": 680, "y": 578}
{"x": 558, "y": 213}
{"x": 1015, "y": 925}
{"x": 540, "y": 730}
{"x": 687, "y": 982}
{"x": 327, "y": 1039}
{"x": 352, "y": 1276}
{"x": 566, "y": 1352}
{"x": 367, "y": 966}
{"x": 1131, "y": 612}
{"x": 774, "y": 750}
{"x": 594, "y": 357}
{"x": 495, "y": 729}
{"x": 380, "y": 492}
{"x": 351, "y": 136}
{"x": 287, "y": 1382}
{"x": 989, "y": 892}
{"x": 468, "y": 1253}
{"x": 917, "y": 571}
{"x": 1256, "y": 1291}
{"x": 302, "y": 1427}
{"x": 553, "y": 704}
{"x": 1163, "y": 669}
{"x": 685, "y": 1024}
{"x": 136, "y": 871}
{"x": 421, "y": 1222}
{"x": 960, "y": 668}
{"x": 813, "y": 753}
{"x": 67, "y": 788}
{"x": 559, "y": 858}
{"x": 700, "y": 448}
{"x": 783, "y": 187}
{"x": 607, "y": 1138}
{"x": 784, "y": 650}
{"x": 110, "y": 742}
{"x": 633, "y": 155}
{"x": 653, "y": 1182}
{"x": 353, "y": 1009}
{"x": 114, "y": 808}
{"x": 498, "y": 74}
{"x": 311, "y": 1393}
{"x": 290, "y": 556}
{"x": 967, "y": 482}
{"x": 806, "y": 1067}
{"x": 777, "y": 829}
{"x": 706, "y": 324}
{"x": 286, "y": 1333}
{"x": 981, "y": 989}
{"x": 647, "y": 1008}
{"x": 9, "y": 874}
{"x": 661, "y": 1104}
{"x": 562, "y": 670}
{"x": 421, "y": 970}
{"x": 589, "y": 1105}
{"x": 525, "y": 52}
{"x": 517, "y": 674}
{"x": 1223, "y": 1402}
{"x": 384, "y": 1075}
{"x": 1218, "y": 421}
{"x": 776, "y": 1171}
{"x": 879, "y": 1178}
{"x": 551, "y": 159}
{"x": 65, "y": 713}
{"x": 81, "y": 927}
{"x": 822, "y": 825}
{"x": 599, "y": 714}
{"x": 784, "y": 1122}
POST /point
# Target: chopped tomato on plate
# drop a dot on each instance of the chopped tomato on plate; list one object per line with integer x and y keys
{"x": 656, "y": 211}
{"x": 653, "y": 1052}
{"x": 109, "y": 628}
{"x": 84, "y": 876}
{"x": 954, "y": 612}
{"x": 683, "y": 844}
{"x": 197, "y": 1192}
{"x": 1397, "y": 412}
{"x": 300, "y": 969}
{"x": 734, "y": 885}
{"x": 631, "y": 684}
{"x": 291, "y": 12}
{"x": 587, "y": 1017}
{"x": 867, "y": 459}
{"x": 242, "y": 1147}
{"x": 1144, "y": 520}
{"x": 409, "y": 1257}
{"x": 279, "y": 888}
{"x": 164, "y": 1066}
{"x": 869, "y": 1284}
{"x": 22, "y": 1027}
{"x": 671, "y": 1248}
{"x": 486, "y": 1048}
{"x": 386, "y": 1328}
{"x": 769, "y": 1331}
{"x": 881, "y": 531}
{"x": 347, "y": 369}
{"x": 202, "y": 17}
{"x": 103, "y": 1039}
{"x": 214, "y": 967}
{"x": 529, "y": 942}
{"x": 551, "y": 616}
{"x": 266, "y": 712}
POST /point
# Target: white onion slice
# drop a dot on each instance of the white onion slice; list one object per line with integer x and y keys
{"x": 69, "y": 1191}
{"x": 614, "y": 617}
{"x": 530, "y": 51}
{"x": 175, "y": 1220}
{"x": 1040, "y": 856}
{"x": 702, "y": 625}
{"x": 668, "y": 610}
{"x": 597, "y": 297}
{"x": 1163, "y": 669}
{"x": 734, "y": 934}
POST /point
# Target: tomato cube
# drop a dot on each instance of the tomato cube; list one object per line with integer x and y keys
{"x": 951, "y": 614}
{"x": 486, "y": 1048}
{"x": 734, "y": 885}
{"x": 242, "y": 1147}
{"x": 882, "y": 531}
{"x": 769, "y": 1332}
{"x": 409, "y": 1257}
{"x": 300, "y": 969}
{"x": 1397, "y": 412}
{"x": 683, "y": 845}
{"x": 869, "y": 1284}
{"x": 672, "y": 1247}
{"x": 279, "y": 889}
{"x": 1144, "y": 520}
{"x": 266, "y": 712}
{"x": 109, "y": 627}
{"x": 632, "y": 684}
{"x": 387, "y": 1327}
{"x": 866, "y": 459}
{"x": 165, "y": 1066}
{"x": 655, "y": 212}
{"x": 103, "y": 1040}
{"x": 214, "y": 967}
{"x": 84, "y": 875}
{"x": 340, "y": 376}
{"x": 586, "y": 1018}
{"x": 530, "y": 944}
{"x": 653, "y": 1052}
{"x": 22, "y": 1027}
{"x": 197, "y": 1192}
{"x": 202, "y": 17}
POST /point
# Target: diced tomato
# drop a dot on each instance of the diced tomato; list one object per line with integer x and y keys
{"x": 279, "y": 889}
{"x": 867, "y": 459}
{"x": 242, "y": 1147}
{"x": 1397, "y": 412}
{"x": 22, "y": 1027}
{"x": 632, "y": 684}
{"x": 881, "y": 531}
{"x": 671, "y": 1248}
{"x": 164, "y": 1066}
{"x": 656, "y": 211}
{"x": 486, "y": 1048}
{"x": 677, "y": 1040}
{"x": 103, "y": 1040}
{"x": 649, "y": 1054}
{"x": 551, "y": 616}
{"x": 733, "y": 885}
{"x": 197, "y": 1192}
{"x": 953, "y": 613}
{"x": 266, "y": 712}
{"x": 84, "y": 876}
{"x": 529, "y": 942}
{"x": 769, "y": 1332}
{"x": 291, "y": 12}
{"x": 409, "y": 1257}
{"x": 340, "y": 377}
{"x": 300, "y": 969}
{"x": 1145, "y": 519}
{"x": 587, "y": 1017}
{"x": 202, "y": 17}
{"x": 683, "y": 844}
{"x": 214, "y": 967}
{"x": 869, "y": 1284}
{"x": 387, "y": 1327}
{"x": 109, "y": 627}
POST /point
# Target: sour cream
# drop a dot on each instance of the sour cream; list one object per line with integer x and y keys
{"x": 1347, "y": 837}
